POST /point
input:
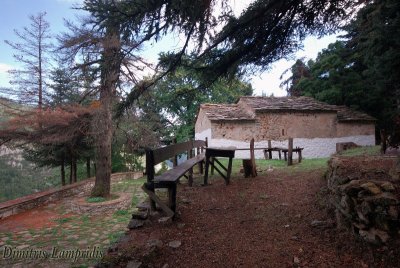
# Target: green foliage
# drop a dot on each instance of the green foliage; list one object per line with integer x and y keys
{"x": 20, "y": 177}
{"x": 362, "y": 70}
{"x": 367, "y": 150}
{"x": 121, "y": 212}
{"x": 65, "y": 87}
{"x": 176, "y": 99}
{"x": 99, "y": 199}
{"x": 96, "y": 199}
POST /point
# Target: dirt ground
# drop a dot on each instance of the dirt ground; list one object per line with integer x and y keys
{"x": 278, "y": 219}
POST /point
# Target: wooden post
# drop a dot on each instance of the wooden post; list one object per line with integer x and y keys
{"x": 150, "y": 175}
{"x": 269, "y": 147}
{"x": 383, "y": 141}
{"x": 290, "y": 152}
{"x": 253, "y": 159}
{"x": 249, "y": 165}
{"x": 228, "y": 175}
{"x": 175, "y": 159}
{"x": 189, "y": 156}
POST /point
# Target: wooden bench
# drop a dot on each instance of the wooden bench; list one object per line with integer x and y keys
{"x": 170, "y": 178}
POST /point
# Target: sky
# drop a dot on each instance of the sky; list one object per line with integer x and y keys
{"x": 14, "y": 15}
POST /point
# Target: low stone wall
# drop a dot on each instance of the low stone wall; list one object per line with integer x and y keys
{"x": 365, "y": 193}
{"x": 107, "y": 207}
{"x": 81, "y": 188}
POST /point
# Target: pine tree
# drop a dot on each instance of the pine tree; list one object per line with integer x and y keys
{"x": 32, "y": 53}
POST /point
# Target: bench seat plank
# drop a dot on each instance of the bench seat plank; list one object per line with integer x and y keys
{"x": 174, "y": 174}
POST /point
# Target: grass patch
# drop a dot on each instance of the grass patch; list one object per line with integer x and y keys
{"x": 263, "y": 164}
{"x": 365, "y": 150}
{"x": 62, "y": 220}
{"x": 99, "y": 199}
{"x": 264, "y": 196}
{"x": 127, "y": 185}
{"x": 114, "y": 237}
{"x": 85, "y": 219}
{"x": 121, "y": 212}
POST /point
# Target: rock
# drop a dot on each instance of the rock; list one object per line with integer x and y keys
{"x": 374, "y": 236}
{"x": 175, "y": 244}
{"x": 154, "y": 213}
{"x": 385, "y": 199}
{"x": 140, "y": 215}
{"x": 134, "y": 264}
{"x": 165, "y": 220}
{"x": 363, "y": 218}
{"x": 154, "y": 243}
{"x": 371, "y": 188}
{"x": 393, "y": 212}
{"x": 352, "y": 188}
{"x": 388, "y": 186}
{"x": 185, "y": 201}
{"x": 317, "y": 223}
{"x": 296, "y": 261}
{"x": 135, "y": 224}
{"x": 346, "y": 203}
{"x": 181, "y": 225}
{"x": 144, "y": 206}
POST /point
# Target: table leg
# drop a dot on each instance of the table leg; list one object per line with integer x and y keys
{"x": 228, "y": 177}
{"x": 212, "y": 165}
{"x": 284, "y": 154}
{"x": 172, "y": 197}
{"x": 280, "y": 156}
{"x": 206, "y": 171}
{"x": 300, "y": 157}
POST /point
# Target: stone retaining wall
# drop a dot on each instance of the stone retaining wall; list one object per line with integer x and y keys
{"x": 365, "y": 193}
{"x": 81, "y": 188}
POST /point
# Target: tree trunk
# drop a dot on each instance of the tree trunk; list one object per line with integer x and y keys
{"x": 75, "y": 171}
{"x": 110, "y": 67}
{"x": 88, "y": 167}
{"x": 63, "y": 172}
{"x": 72, "y": 177}
{"x": 71, "y": 172}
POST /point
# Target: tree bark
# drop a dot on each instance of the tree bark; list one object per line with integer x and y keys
{"x": 71, "y": 172}
{"x": 63, "y": 172}
{"x": 110, "y": 68}
{"x": 88, "y": 167}
{"x": 75, "y": 170}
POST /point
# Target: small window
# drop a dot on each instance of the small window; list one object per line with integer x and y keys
{"x": 283, "y": 132}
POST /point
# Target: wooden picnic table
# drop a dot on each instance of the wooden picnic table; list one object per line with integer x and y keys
{"x": 268, "y": 152}
{"x": 297, "y": 150}
{"x": 211, "y": 155}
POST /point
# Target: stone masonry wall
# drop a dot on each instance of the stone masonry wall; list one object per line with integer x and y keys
{"x": 365, "y": 194}
{"x": 81, "y": 188}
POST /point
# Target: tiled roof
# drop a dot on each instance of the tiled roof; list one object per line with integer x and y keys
{"x": 286, "y": 103}
{"x": 346, "y": 114}
{"x": 226, "y": 112}
{"x": 240, "y": 111}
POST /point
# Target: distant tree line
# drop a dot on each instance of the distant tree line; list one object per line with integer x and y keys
{"x": 361, "y": 70}
{"x": 104, "y": 48}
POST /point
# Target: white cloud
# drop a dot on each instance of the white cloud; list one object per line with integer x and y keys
{"x": 4, "y": 76}
{"x": 71, "y": 1}
{"x": 4, "y": 68}
{"x": 269, "y": 81}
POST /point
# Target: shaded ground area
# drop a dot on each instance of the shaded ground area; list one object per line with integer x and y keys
{"x": 56, "y": 227}
{"x": 278, "y": 219}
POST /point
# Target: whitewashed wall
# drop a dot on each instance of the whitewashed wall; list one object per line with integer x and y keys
{"x": 313, "y": 148}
